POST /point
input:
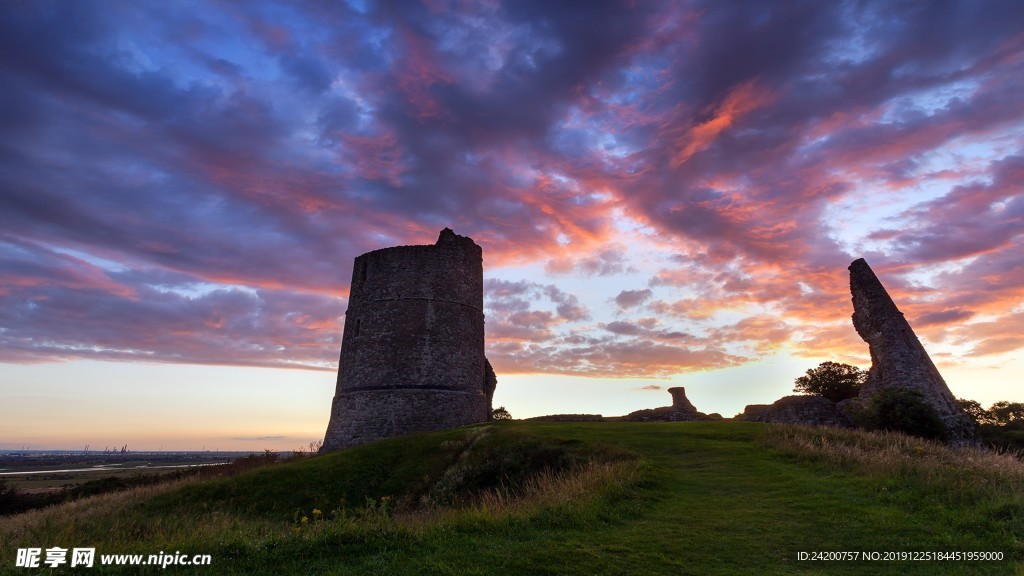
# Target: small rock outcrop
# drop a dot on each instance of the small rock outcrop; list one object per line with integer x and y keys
{"x": 809, "y": 410}
{"x": 568, "y": 418}
{"x": 681, "y": 410}
{"x": 898, "y": 360}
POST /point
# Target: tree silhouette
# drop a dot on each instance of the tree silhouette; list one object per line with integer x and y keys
{"x": 973, "y": 409}
{"x": 500, "y": 413}
{"x": 832, "y": 380}
{"x": 1005, "y": 413}
{"x": 1002, "y": 413}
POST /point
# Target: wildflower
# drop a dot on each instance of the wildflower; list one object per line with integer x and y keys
{"x": 305, "y": 520}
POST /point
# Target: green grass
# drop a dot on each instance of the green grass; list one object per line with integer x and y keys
{"x": 572, "y": 498}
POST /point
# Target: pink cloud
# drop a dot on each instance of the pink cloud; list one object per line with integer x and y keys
{"x": 740, "y": 101}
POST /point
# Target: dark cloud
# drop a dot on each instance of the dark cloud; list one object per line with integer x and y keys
{"x": 767, "y": 138}
{"x": 763, "y": 334}
{"x": 510, "y": 312}
{"x": 996, "y": 336}
{"x": 605, "y": 263}
{"x": 216, "y": 170}
{"x": 943, "y": 317}
{"x": 309, "y": 73}
{"x": 970, "y": 220}
{"x": 645, "y": 329}
{"x": 631, "y": 298}
{"x": 624, "y": 328}
{"x": 567, "y": 305}
{"x": 60, "y": 307}
{"x": 611, "y": 357}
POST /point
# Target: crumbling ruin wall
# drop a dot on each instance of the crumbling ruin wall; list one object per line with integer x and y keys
{"x": 809, "y": 410}
{"x": 898, "y": 360}
{"x": 412, "y": 353}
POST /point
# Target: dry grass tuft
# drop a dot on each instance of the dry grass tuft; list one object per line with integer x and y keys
{"x": 112, "y": 520}
{"x": 106, "y": 506}
{"x": 567, "y": 488}
{"x": 963, "y": 472}
{"x": 547, "y": 489}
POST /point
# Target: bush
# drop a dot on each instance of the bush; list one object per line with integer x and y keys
{"x": 9, "y": 503}
{"x": 903, "y": 410}
{"x": 1003, "y": 438}
{"x": 14, "y": 501}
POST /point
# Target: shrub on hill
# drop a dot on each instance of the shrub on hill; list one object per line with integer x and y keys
{"x": 902, "y": 410}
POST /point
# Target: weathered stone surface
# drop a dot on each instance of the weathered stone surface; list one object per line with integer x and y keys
{"x": 681, "y": 410}
{"x": 412, "y": 353}
{"x": 490, "y": 383}
{"x": 754, "y": 412}
{"x": 680, "y": 402}
{"x": 810, "y": 410}
{"x": 898, "y": 360}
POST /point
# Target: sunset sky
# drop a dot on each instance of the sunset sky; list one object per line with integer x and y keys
{"x": 666, "y": 194}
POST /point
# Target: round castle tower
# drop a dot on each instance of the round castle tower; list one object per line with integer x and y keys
{"x": 412, "y": 352}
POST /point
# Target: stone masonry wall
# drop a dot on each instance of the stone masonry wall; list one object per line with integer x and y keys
{"x": 412, "y": 355}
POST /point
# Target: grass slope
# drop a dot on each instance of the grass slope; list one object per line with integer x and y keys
{"x": 572, "y": 498}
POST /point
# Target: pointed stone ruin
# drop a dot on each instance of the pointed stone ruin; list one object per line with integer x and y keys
{"x": 681, "y": 410}
{"x": 680, "y": 403}
{"x": 898, "y": 360}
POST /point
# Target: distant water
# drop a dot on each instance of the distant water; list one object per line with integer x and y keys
{"x": 30, "y": 453}
{"x": 109, "y": 468}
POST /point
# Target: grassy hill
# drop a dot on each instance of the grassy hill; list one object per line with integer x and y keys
{"x": 571, "y": 498}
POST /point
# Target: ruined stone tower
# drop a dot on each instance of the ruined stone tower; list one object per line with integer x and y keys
{"x": 412, "y": 351}
{"x": 898, "y": 360}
